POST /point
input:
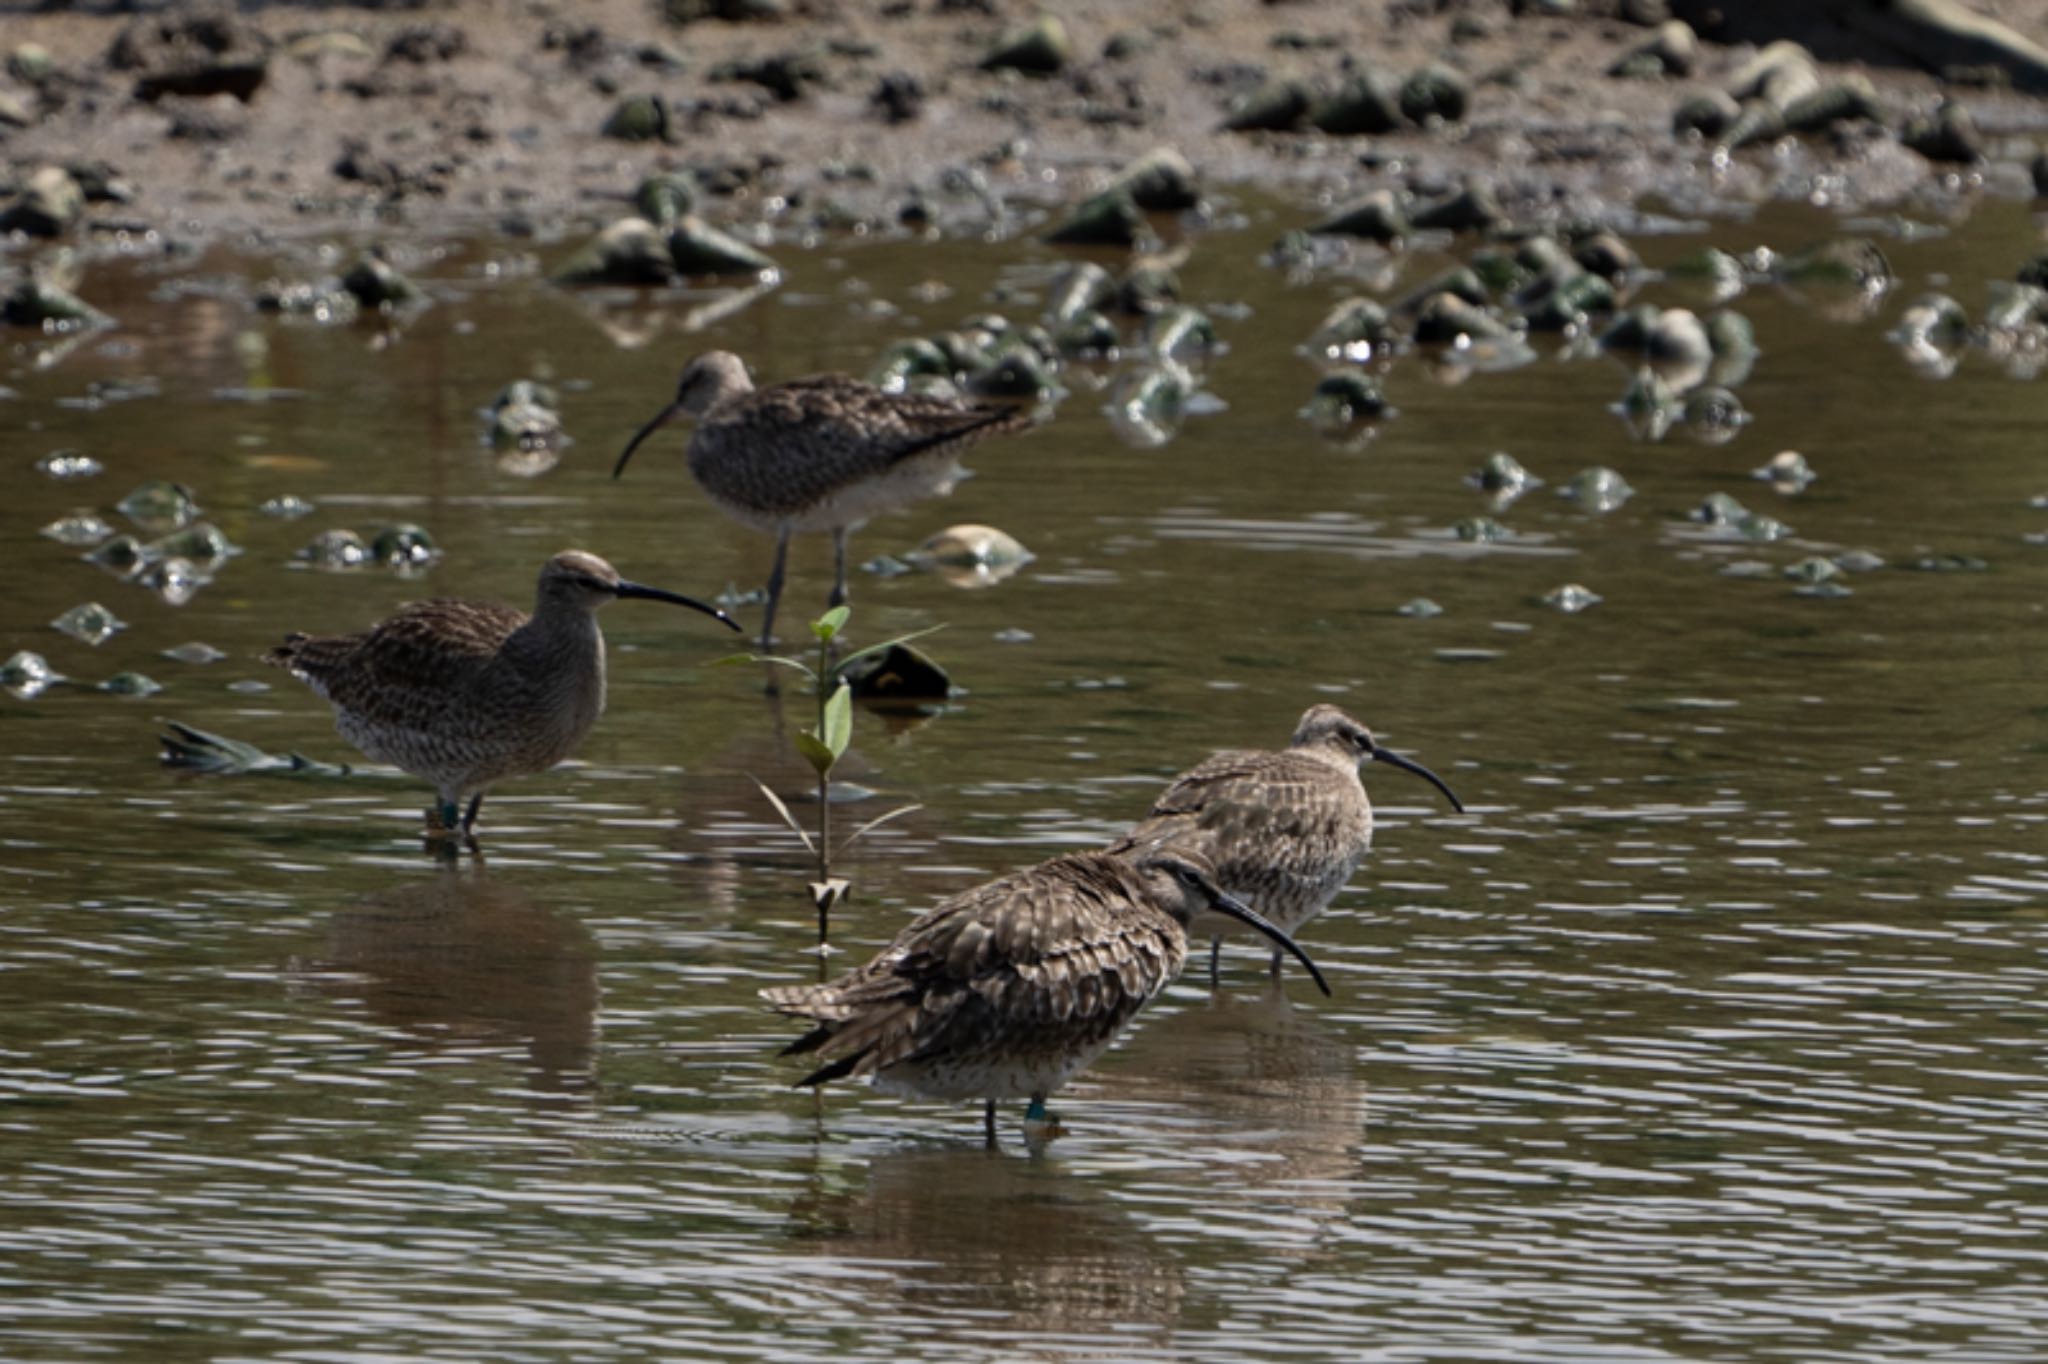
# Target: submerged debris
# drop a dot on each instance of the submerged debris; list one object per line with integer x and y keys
{"x": 28, "y": 675}
{"x": 89, "y": 623}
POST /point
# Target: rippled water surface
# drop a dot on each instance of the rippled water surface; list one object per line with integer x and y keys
{"x": 1715, "y": 1031}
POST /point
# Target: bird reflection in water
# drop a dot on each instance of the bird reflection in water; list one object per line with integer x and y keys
{"x": 466, "y": 962}
{"x": 997, "y": 1243}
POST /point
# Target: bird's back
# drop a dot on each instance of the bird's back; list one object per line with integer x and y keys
{"x": 1284, "y": 829}
{"x": 833, "y": 449}
{"x": 1030, "y": 972}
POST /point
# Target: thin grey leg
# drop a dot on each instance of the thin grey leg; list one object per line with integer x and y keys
{"x": 988, "y": 1121}
{"x": 774, "y": 587}
{"x": 838, "y": 566}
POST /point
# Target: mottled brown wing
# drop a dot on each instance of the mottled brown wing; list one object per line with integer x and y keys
{"x": 409, "y": 666}
{"x": 1063, "y": 941}
{"x": 814, "y": 435}
{"x": 1275, "y": 809}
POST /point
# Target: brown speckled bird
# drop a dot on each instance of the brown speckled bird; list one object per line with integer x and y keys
{"x": 1284, "y": 829}
{"x": 464, "y": 694}
{"x": 1010, "y": 989}
{"x": 821, "y": 453}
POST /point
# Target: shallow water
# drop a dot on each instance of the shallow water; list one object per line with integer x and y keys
{"x": 1715, "y": 1031}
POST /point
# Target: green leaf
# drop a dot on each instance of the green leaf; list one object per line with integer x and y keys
{"x": 839, "y": 721}
{"x": 885, "y": 644}
{"x": 831, "y": 623}
{"x": 877, "y": 822}
{"x": 815, "y": 752}
{"x": 787, "y": 818}
{"x": 737, "y": 660}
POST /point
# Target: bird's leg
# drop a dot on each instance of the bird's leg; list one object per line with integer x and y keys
{"x": 1039, "y": 1126}
{"x": 774, "y": 589}
{"x": 444, "y": 819}
{"x": 838, "y": 597}
{"x": 1276, "y": 964}
{"x": 476, "y": 803}
{"x": 1036, "y": 1111}
{"x": 1215, "y": 961}
{"x": 988, "y": 1122}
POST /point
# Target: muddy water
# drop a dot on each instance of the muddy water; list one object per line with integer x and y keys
{"x": 1714, "y": 1032}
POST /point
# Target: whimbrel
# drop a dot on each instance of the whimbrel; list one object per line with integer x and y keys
{"x": 1284, "y": 829}
{"x": 1010, "y": 989}
{"x": 464, "y": 694}
{"x": 821, "y": 453}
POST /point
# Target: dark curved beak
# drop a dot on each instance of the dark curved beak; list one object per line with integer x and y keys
{"x": 1244, "y": 913}
{"x": 661, "y": 419}
{"x": 626, "y": 589}
{"x": 1407, "y": 765}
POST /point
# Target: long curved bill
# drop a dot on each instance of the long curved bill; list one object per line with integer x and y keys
{"x": 1244, "y": 913}
{"x": 1409, "y": 765}
{"x": 661, "y": 419}
{"x": 645, "y": 593}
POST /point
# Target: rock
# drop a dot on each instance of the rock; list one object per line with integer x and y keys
{"x": 1343, "y": 398}
{"x": 89, "y": 623}
{"x": 1353, "y": 330}
{"x": 1759, "y": 121}
{"x": 201, "y": 542}
{"x": 323, "y": 302}
{"x": 1274, "y": 107}
{"x": 1435, "y": 94}
{"x": 1017, "y": 373}
{"x": 404, "y": 546}
{"x": 1160, "y": 181}
{"x": 1146, "y": 288}
{"x": 1839, "y": 101}
{"x": 67, "y": 465}
{"x": 1368, "y": 103}
{"x": 1715, "y": 414}
{"x": 1778, "y": 75}
{"x": 1502, "y": 474}
{"x": 638, "y": 118}
{"x": 376, "y": 283}
{"x": 1481, "y": 530}
{"x": 131, "y": 684}
{"x": 159, "y": 502}
{"x": 79, "y": 530}
{"x": 1087, "y": 335}
{"x": 898, "y": 674}
{"x": 629, "y": 251}
{"x": 1597, "y": 489}
{"x": 47, "y": 205}
{"x": 1856, "y": 262}
{"x": 1708, "y": 114}
{"x": 1571, "y": 599}
{"x": 971, "y": 555}
{"x": 1569, "y": 301}
{"x": 1107, "y": 219}
{"x": 1607, "y": 256}
{"x": 1949, "y": 135}
{"x": 898, "y": 97}
{"x": 663, "y": 198}
{"x": 28, "y": 675}
{"x": 193, "y": 51}
{"x": 1375, "y": 217}
{"x": 788, "y": 76}
{"x": 698, "y": 248}
{"x": 1471, "y": 209}
{"x": 1177, "y": 333}
{"x": 1788, "y": 471}
{"x": 1078, "y": 289}
{"x": 120, "y": 556}
{"x": 1677, "y": 344}
{"x": 1446, "y": 319}
{"x": 1038, "y": 48}
{"x": 1672, "y": 50}
{"x": 31, "y": 64}
{"x": 37, "y": 303}
{"x": 336, "y": 549}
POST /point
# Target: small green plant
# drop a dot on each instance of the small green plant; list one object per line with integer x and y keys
{"x": 822, "y": 746}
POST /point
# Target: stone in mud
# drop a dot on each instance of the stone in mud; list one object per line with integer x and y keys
{"x": 1629, "y": 333}
{"x": 785, "y": 75}
{"x": 1709, "y": 265}
{"x": 1345, "y": 397}
{"x": 1110, "y": 218}
{"x": 1759, "y": 121}
{"x": 898, "y": 674}
{"x": 1842, "y": 101}
{"x": 1778, "y": 75}
{"x": 1671, "y": 50}
{"x": 36, "y": 302}
{"x": 1571, "y": 598}
{"x": 1501, "y": 473}
{"x": 1788, "y": 471}
{"x": 1435, "y": 94}
{"x": 193, "y": 51}
{"x": 1568, "y": 302}
{"x": 1649, "y": 406}
{"x": 336, "y": 549}
{"x": 1375, "y": 217}
{"x": 286, "y": 507}
{"x": 1607, "y": 256}
{"x": 159, "y": 502}
{"x": 1149, "y": 404}
{"x": 1597, "y": 489}
{"x": 1446, "y": 319}
{"x": 638, "y": 118}
{"x": 120, "y": 556}
{"x": 2035, "y": 272}
{"x": 1274, "y": 107}
{"x": 1472, "y": 209}
{"x": 1353, "y": 330}
{"x": 1419, "y": 608}
{"x": 376, "y": 283}
{"x": 1078, "y": 289}
{"x": 1707, "y": 114}
{"x": 89, "y": 623}
{"x": 1017, "y": 373}
{"x": 698, "y": 248}
{"x": 1087, "y": 335}
{"x": 898, "y": 97}
{"x": 404, "y": 546}
{"x": 175, "y": 579}
{"x": 1147, "y": 287}
{"x": 28, "y": 675}
{"x": 1677, "y": 343}
{"x": 325, "y": 302}
{"x": 1039, "y": 48}
{"x": 1947, "y": 136}
{"x": 68, "y": 465}
{"x": 1160, "y": 181}
{"x": 1367, "y": 104}
{"x": 663, "y": 198}
{"x": 203, "y": 541}
{"x": 79, "y": 531}
{"x": 195, "y": 652}
{"x": 1178, "y": 333}
{"x": 2014, "y": 306}
{"x": 1460, "y": 281}
{"x": 629, "y": 251}
{"x": 971, "y": 555}
{"x": 1715, "y": 414}
{"x": 49, "y": 202}
{"x": 908, "y": 358}
{"x": 131, "y": 684}
{"x": 1482, "y": 530}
